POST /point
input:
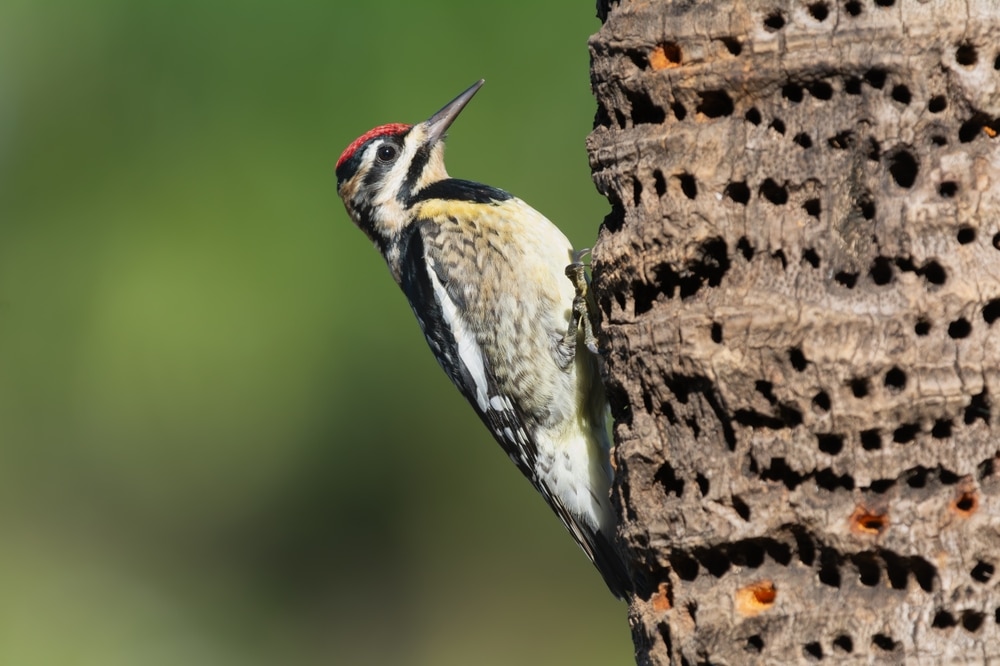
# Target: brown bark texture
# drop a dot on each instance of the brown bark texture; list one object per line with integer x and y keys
{"x": 799, "y": 287}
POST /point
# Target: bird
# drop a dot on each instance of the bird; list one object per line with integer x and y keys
{"x": 502, "y": 299}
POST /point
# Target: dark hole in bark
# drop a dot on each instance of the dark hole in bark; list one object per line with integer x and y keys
{"x": 829, "y": 568}
{"x": 942, "y": 429}
{"x": 917, "y": 478}
{"x": 685, "y": 566}
{"x": 765, "y": 389}
{"x": 644, "y": 111}
{"x": 812, "y": 207}
{"x": 883, "y": 642}
{"x": 732, "y": 45}
{"x": 778, "y": 125}
{"x": 819, "y": 11}
{"x": 875, "y": 78}
{"x": 943, "y": 620}
{"x": 810, "y": 256}
{"x": 843, "y": 643}
{"x": 982, "y": 572}
{"x": 752, "y": 116}
{"x": 880, "y": 486}
{"x": 868, "y": 569}
{"x": 867, "y": 206}
{"x": 812, "y": 651}
{"x": 797, "y": 358}
{"x": 774, "y": 22}
{"x": 881, "y": 271}
{"x": 853, "y": 7}
{"x": 972, "y": 621}
{"x": 822, "y": 401}
{"x": 744, "y": 248}
{"x": 846, "y": 278}
{"x": 978, "y": 409}
{"x": 852, "y": 85}
{"x": 755, "y": 644}
{"x": 991, "y": 311}
{"x": 972, "y": 128}
{"x": 659, "y": 183}
{"x": 960, "y": 328}
{"x": 703, "y": 484}
{"x": 776, "y": 194}
{"x": 792, "y": 92}
{"x": 820, "y": 90}
{"x": 933, "y": 272}
{"x": 827, "y": 480}
{"x": 715, "y": 104}
{"x": 688, "y": 185}
{"x": 965, "y": 235}
{"x": 738, "y": 192}
{"x": 922, "y": 327}
{"x": 948, "y": 189}
{"x": 830, "y": 443}
{"x": 716, "y": 333}
{"x": 937, "y": 104}
{"x": 803, "y": 140}
{"x": 779, "y": 471}
{"x": 901, "y": 94}
{"x": 804, "y": 548}
{"x": 903, "y": 168}
{"x": 667, "y": 478}
{"x": 905, "y": 433}
{"x": 966, "y": 55}
{"x": 680, "y": 113}
{"x": 895, "y": 379}
{"x": 601, "y": 118}
{"x": 741, "y": 508}
{"x": 871, "y": 440}
{"x": 714, "y": 560}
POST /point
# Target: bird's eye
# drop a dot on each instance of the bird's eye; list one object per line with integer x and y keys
{"x": 386, "y": 153}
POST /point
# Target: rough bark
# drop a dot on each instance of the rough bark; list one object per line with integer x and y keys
{"x": 799, "y": 285}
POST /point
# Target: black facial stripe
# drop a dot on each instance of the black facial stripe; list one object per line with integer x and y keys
{"x": 417, "y": 166}
{"x": 454, "y": 189}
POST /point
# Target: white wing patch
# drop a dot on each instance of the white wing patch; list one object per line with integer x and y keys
{"x": 468, "y": 348}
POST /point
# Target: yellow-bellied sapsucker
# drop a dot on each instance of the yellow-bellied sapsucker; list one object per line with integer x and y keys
{"x": 486, "y": 276}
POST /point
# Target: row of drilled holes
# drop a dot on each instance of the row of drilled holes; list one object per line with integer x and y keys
{"x": 971, "y": 621}
{"x": 751, "y": 554}
{"x": 718, "y": 103}
{"x": 881, "y": 273}
{"x": 670, "y": 54}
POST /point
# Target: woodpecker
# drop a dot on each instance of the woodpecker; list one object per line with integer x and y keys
{"x": 486, "y": 276}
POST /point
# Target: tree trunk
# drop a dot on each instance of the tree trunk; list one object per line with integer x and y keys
{"x": 798, "y": 283}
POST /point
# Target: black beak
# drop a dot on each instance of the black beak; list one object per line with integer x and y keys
{"x": 439, "y": 123}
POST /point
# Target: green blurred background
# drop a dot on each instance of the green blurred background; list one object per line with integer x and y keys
{"x": 222, "y": 437}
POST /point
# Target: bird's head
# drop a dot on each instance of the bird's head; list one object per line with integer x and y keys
{"x": 381, "y": 170}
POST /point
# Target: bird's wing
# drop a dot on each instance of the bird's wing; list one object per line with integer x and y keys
{"x": 454, "y": 344}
